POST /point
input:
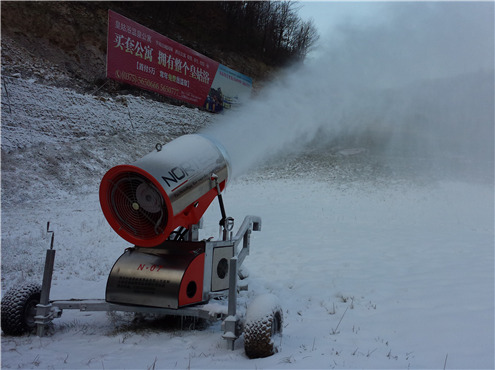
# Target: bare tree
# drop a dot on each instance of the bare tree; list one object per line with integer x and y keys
{"x": 269, "y": 30}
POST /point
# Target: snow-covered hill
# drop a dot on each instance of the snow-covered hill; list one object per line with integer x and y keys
{"x": 55, "y": 140}
{"x": 372, "y": 269}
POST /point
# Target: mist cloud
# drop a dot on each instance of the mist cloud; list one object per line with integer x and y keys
{"x": 415, "y": 41}
{"x": 419, "y": 80}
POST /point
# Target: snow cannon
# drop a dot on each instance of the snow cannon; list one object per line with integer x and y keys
{"x": 167, "y": 189}
{"x": 157, "y": 203}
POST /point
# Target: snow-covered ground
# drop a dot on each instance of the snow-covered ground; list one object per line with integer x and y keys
{"x": 372, "y": 269}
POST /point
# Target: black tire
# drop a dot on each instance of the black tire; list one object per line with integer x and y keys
{"x": 19, "y": 309}
{"x": 264, "y": 319}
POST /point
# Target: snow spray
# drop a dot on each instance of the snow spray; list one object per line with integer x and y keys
{"x": 419, "y": 82}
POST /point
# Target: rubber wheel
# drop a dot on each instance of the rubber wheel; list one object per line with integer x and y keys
{"x": 19, "y": 309}
{"x": 263, "y": 323}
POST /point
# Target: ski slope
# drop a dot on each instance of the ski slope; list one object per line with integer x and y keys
{"x": 374, "y": 266}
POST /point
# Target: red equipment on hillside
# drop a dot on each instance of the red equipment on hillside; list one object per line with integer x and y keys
{"x": 157, "y": 204}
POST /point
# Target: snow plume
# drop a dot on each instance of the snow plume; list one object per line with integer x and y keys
{"x": 415, "y": 80}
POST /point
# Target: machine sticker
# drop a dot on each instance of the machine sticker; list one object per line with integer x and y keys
{"x": 143, "y": 266}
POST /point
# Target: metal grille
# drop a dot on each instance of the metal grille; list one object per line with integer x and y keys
{"x": 138, "y": 206}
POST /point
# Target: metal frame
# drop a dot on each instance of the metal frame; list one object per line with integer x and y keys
{"x": 48, "y": 310}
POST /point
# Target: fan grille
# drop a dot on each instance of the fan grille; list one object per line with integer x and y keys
{"x": 138, "y": 206}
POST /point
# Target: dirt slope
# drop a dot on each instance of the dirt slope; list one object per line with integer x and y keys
{"x": 64, "y": 44}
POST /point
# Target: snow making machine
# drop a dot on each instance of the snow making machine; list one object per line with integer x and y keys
{"x": 157, "y": 204}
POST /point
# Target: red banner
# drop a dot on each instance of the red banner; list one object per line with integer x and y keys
{"x": 142, "y": 57}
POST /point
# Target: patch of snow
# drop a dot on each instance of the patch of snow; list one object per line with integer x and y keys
{"x": 261, "y": 306}
{"x": 352, "y": 151}
{"x": 371, "y": 271}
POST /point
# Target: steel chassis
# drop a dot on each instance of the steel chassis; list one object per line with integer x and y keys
{"x": 47, "y": 309}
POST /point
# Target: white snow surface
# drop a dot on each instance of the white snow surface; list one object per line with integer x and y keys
{"x": 261, "y": 307}
{"x": 380, "y": 273}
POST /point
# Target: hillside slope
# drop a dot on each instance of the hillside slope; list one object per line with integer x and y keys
{"x": 380, "y": 258}
{"x": 371, "y": 269}
{"x": 62, "y": 137}
{"x": 64, "y": 44}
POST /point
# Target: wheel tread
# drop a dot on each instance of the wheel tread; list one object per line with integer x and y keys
{"x": 13, "y": 308}
{"x": 259, "y": 331}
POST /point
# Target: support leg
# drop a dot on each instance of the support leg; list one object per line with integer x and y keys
{"x": 230, "y": 325}
{"x": 43, "y": 309}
